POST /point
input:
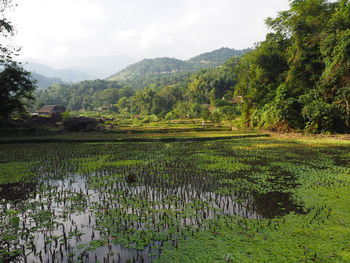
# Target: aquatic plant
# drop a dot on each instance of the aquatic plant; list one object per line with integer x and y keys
{"x": 111, "y": 201}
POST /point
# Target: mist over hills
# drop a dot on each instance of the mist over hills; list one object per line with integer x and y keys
{"x": 65, "y": 74}
{"x": 76, "y": 70}
{"x": 45, "y": 82}
{"x": 97, "y": 66}
{"x": 119, "y": 68}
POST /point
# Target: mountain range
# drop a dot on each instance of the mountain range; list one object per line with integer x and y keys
{"x": 167, "y": 65}
{"x": 65, "y": 74}
{"x": 90, "y": 68}
{"x": 43, "y": 82}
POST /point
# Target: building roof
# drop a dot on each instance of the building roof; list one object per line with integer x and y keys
{"x": 237, "y": 100}
{"x": 47, "y": 108}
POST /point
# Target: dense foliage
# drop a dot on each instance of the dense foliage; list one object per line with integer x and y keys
{"x": 160, "y": 66}
{"x": 299, "y": 77}
{"x": 204, "y": 94}
{"x": 84, "y": 95}
{"x": 152, "y": 66}
{"x": 16, "y": 85}
{"x": 219, "y": 56}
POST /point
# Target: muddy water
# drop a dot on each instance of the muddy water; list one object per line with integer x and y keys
{"x": 61, "y": 216}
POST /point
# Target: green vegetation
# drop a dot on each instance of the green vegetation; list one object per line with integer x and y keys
{"x": 14, "y": 172}
{"x": 209, "y": 201}
{"x": 86, "y": 95}
{"x": 152, "y": 66}
{"x": 321, "y": 234}
{"x": 16, "y": 85}
{"x": 16, "y": 88}
{"x": 159, "y": 184}
{"x": 216, "y": 57}
{"x": 165, "y": 87}
{"x": 298, "y": 78}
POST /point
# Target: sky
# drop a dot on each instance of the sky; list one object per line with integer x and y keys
{"x": 56, "y": 30}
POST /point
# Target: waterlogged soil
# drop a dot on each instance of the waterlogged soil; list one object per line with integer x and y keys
{"x": 127, "y": 202}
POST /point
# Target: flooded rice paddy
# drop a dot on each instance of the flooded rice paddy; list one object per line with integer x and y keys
{"x": 125, "y": 202}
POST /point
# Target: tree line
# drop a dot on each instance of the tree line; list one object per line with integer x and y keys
{"x": 16, "y": 84}
{"x": 298, "y": 78}
{"x": 176, "y": 95}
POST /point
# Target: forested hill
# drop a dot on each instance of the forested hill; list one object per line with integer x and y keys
{"x": 152, "y": 66}
{"x": 165, "y": 65}
{"x": 65, "y": 74}
{"x": 218, "y": 56}
{"x": 43, "y": 82}
{"x": 157, "y": 74}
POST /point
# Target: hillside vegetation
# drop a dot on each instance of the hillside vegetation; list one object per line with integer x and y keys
{"x": 166, "y": 65}
{"x": 152, "y": 66}
{"x": 297, "y": 79}
{"x": 161, "y": 76}
{"x": 217, "y": 57}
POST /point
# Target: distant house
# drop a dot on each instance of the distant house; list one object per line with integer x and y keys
{"x": 51, "y": 110}
{"x": 237, "y": 100}
{"x": 232, "y": 100}
{"x": 105, "y": 107}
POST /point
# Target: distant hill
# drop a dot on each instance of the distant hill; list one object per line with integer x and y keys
{"x": 97, "y": 66}
{"x": 218, "y": 55}
{"x": 152, "y": 66}
{"x": 165, "y": 65}
{"x": 66, "y": 75}
{"x": 45, "y": 82}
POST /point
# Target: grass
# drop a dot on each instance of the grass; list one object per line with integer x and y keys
{"x": 127, "y": 136}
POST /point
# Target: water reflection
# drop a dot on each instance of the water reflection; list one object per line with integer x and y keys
{"x": 65, "y": 217}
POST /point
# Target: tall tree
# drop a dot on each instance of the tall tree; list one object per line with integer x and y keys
{"x": 16, "y": 85}
{"x": 6, "y": 31}
{"x": 299, "y": 76}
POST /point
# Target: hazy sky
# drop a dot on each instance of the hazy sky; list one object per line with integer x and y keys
{"x": 62, "y": 29}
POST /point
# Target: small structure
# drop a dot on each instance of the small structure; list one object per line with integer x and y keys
{"x": 105, "y": 107}
{"x": 237, "y": 100}
{"x": 229, "y": 98}
{"x": 52, "y": 111}
{"x": 49, "y": 110}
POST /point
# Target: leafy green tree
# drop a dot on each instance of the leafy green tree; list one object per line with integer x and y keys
{"x": 205, "y": 113}
{"x": 298, "y": 78}
{"x": 335, "y": 50}
{"x": 108, "y": 96}
{"x": 6, "y": 31}
{"x": 123, "y": 105}
{"x": 16, "y": 85}
{"x": 259, "y": 74}
{"x": 183, "y": 109}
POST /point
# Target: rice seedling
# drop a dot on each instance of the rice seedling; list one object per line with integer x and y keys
{"x": 134, "y": 202}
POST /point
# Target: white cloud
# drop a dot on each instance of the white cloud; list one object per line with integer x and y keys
{"x": 59, "y": 29}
